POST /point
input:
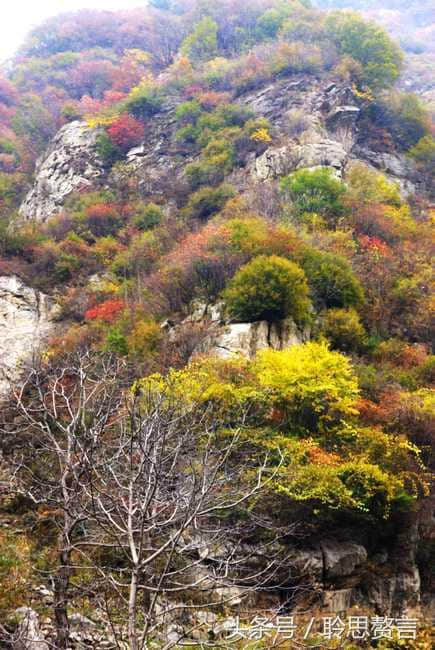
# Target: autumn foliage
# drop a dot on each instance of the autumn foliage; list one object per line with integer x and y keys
{"x": 126, "y": 131}
{"x": 107, "y": 311}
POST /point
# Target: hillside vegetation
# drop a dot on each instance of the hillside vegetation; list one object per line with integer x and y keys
{"x": 136, "y": 462}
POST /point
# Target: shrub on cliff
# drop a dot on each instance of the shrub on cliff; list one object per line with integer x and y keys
{"x": 268, "y": 288}
{"x": 331, "y": 280}
{"x": 208, "y": 200}
{"x": 315, "y": 191}
{"x": 126, "y": 131}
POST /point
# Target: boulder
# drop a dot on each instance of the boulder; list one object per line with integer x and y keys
{"x": 407, "y": 590}
{"x": 70, "y": 163}
{"x": 307, "y": 564}
{"x": 26, "y": 319}
{"x": 28, "y": 635}
{"x": 341, "y": 558}
{"x": 278, "y": 161}
{"x": 81, "y": 622}
{"x": 378, "y": 592}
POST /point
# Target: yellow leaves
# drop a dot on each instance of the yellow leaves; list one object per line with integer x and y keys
{"x": 310, "y": 368}
{"x": 261, "y": 135}
{"x": 365, "y": 94}
{"x": 144, "y": 338}
{"x": 367, "y": 186}
{"x": 96, "y": 121}
{"x": 218, "y": 63}
{"x": 146, "y": 83}
{"x": 401, "y": 219}
{"x": 139, "y": 56}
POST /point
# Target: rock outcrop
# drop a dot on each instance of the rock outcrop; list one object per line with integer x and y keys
{"x": 247, "y": 339}
{"x": 69, "y": 164}
{"x": 26, "y": 319}
{"x": 275, "y": 162}
{"x": 340, "y": 559}
{"x": 28, "y": 635}
{"x": 329, "y": 137}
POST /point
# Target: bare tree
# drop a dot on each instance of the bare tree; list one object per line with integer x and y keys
{"x": 165, "y": 491}
{"x": 155, "y": 495}
{"x": 59, "y": 415}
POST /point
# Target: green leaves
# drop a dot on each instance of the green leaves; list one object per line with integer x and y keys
{"x": 201, "y": 44}
{"x": 368, "y": 44}
{"x": 268, "y": 288}
{"x": 315, "y": 191}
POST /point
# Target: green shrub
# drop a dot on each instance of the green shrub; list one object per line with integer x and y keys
{"x": 424, "y": 153}
{"x": 343, "y": 328}
{"x": 372, "y": 490}
{"x": 107, "y": 150}
{"x": 188, "y": 112}
{"x": 217, "y": 161}
{"x": 269, "y": 23}
{"x": 116, "y": 342}
{"x": 144, "y": 100}
{"x": 208, "y": 172}
{"x": 207, "y": 201}
{"x": 367, "y": 43}
{"x": 148, "y": 217}
{"x": 331, "y": 280}
{"x": 201, "y": 44}
{"x": 315, "y": 191}
{"x": 268, "y": 288}
{"x": 187, "y": 134}
{"x": 66, "y": 267}
{"x": 211, "y": 122}
{"x": 234, "y": 114}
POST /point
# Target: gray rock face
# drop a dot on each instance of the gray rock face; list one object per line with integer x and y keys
{"x": 157, "y": 163}
{"x": 338, "y": 600}
{"x": 329, "y": 112}
{"x": 26, "y": 319}
{"x": 275, "y": 162}
{"x": 341, "y": 558}
{"x": 307, "y": 563}
{"x": 247, "y": 339}
{"x": 70, "y": 163}
{"x": 28, "y": 635}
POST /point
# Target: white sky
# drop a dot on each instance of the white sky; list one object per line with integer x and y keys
{"x": 19, "y": 16}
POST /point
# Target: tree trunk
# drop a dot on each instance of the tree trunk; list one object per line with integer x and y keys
{"x": 61, "y": 585}
{"x": 132, "y": 610}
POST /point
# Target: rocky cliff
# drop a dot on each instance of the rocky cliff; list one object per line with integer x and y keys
{"x": 316, "y": 123}
{"x": 69, "y": 165}
{"x": 26, "y": 320}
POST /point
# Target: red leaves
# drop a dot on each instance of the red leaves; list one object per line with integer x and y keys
{"x": 374, "y": 245}
{"x": 103, "y": 219}
{"x": 126, "y": 131}
{"x": 106, "y": 311}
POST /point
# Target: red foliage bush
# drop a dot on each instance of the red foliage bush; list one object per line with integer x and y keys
{"x": 210, "y": 100}
{"x": 375, "y": 246}
{"x": 103, "y": 219}
{"x": 106, "y": 311}
{"x": 126, "y": 131}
